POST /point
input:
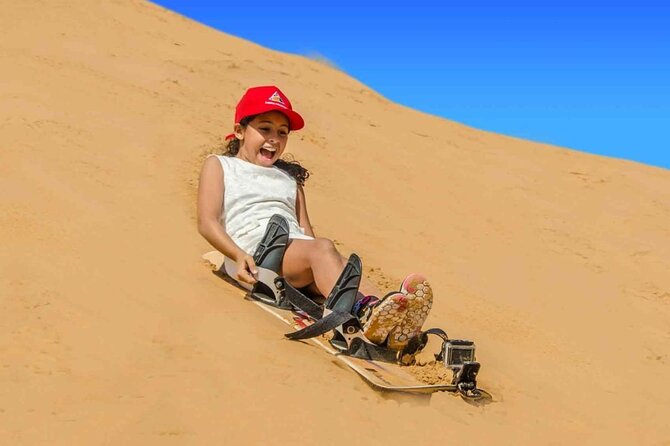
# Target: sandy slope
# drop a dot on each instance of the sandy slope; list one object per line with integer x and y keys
{"x": 113, "y": 332}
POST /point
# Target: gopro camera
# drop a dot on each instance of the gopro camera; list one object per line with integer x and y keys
{"x": 457, "y": 352}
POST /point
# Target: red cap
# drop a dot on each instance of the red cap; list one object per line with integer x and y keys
{"x": 264, "y": 99}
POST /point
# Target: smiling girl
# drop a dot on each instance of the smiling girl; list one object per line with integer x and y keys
{"x": 242, "y": 189}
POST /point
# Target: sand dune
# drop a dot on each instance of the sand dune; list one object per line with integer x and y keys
{"x": 113, "y": 332}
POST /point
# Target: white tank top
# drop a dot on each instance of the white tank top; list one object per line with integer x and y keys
{"x": 253, "y": 194}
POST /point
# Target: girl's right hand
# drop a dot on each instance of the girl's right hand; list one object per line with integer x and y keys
{"x": 246, "y": 269}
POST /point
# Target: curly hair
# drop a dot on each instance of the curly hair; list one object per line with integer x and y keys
{"x": 287, "y": 164}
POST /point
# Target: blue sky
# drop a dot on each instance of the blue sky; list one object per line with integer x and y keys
{"x": 589, "y": 75}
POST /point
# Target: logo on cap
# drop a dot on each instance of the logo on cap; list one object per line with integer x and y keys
{"x": 276, "y": 99}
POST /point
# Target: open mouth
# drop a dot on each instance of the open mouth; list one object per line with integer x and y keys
{"x": 267, "y": 153}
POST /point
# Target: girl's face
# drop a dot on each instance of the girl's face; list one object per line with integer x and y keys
{"x": 264, "y": 139}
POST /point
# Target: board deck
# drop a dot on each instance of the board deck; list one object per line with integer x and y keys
{"x": 381, "y": 375}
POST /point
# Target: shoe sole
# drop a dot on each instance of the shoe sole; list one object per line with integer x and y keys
{"x": 386, "y": 316}
{"x": 419, "y": 297}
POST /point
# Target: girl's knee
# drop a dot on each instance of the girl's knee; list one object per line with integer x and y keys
{"x": 324, "y": 247}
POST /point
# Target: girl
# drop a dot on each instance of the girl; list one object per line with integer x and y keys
{"x": 240, "y": 190}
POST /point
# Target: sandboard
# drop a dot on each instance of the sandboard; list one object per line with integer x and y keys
{"x": 380, "y": 375}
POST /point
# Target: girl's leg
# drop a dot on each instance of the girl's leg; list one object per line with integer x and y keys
{"x": 319, "y": 263}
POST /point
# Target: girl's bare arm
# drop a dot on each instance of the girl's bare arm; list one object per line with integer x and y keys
{"x": 210, "y": 203}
